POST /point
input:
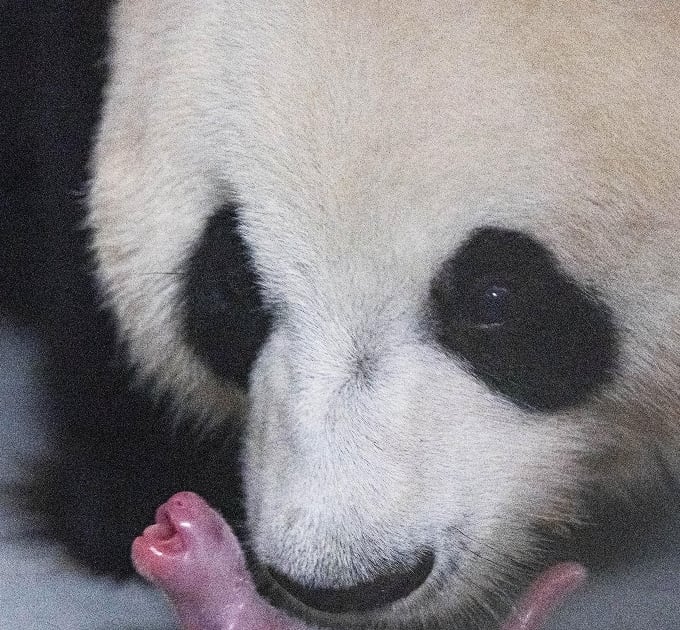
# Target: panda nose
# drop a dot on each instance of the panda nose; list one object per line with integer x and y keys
{"x": 389, "y": 586}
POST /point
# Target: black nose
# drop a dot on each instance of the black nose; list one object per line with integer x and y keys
{"x": 387, "y": 587}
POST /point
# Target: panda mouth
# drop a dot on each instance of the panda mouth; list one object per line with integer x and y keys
{"x": 544, "y": 595}
{"x": 367, "y": 603}
{"x": 388, "y": 587}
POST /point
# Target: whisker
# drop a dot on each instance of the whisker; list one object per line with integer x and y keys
{"x": 479, "y": 554}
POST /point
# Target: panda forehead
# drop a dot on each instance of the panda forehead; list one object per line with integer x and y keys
{"x": 366, "y": 143}
{"x": 350, "y": 106}
{"x": 357, "y": 128}
{"x": 417, "y": 91}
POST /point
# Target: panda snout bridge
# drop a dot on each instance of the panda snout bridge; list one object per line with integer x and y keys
{"x": 390, "y": 585}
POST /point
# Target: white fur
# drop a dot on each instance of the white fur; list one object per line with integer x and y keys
{"x": 363, "y": 142}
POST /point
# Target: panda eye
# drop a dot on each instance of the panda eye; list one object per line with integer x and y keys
{"x": 519, "y": 323}
{"x": 225, "y": 320}
{"x": 492, "y": 305}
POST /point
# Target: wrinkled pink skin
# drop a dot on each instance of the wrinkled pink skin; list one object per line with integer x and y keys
{"x": 193, "y": 555}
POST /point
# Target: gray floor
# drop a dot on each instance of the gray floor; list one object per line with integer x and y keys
{"x": 641, "y": 593}
{"x": 39, "y": 590}
{"x": 645, "y": 596}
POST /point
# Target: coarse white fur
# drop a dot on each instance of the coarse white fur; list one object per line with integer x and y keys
{"x": 363, "y": 141}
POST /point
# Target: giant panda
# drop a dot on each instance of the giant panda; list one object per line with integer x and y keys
{"x": 395, "y": 285}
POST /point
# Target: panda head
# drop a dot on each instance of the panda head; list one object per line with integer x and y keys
{"x": 426, "y": 250}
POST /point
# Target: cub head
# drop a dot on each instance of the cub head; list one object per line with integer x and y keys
{"x": 427, "y": 251}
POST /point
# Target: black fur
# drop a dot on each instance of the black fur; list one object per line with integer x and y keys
{"x": 225, "y": 319}
{"x": 525, "y": 328}
{"x": 115, "y": 457}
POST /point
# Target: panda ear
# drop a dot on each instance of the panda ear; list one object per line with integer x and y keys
{"x": 225, "y": 320}
{"x": 503, "y": 305}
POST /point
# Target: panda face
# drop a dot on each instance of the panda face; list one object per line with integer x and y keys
{"x": 426, "y": 250}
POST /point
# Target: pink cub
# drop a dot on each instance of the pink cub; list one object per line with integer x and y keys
{"x": 193, "y": 555}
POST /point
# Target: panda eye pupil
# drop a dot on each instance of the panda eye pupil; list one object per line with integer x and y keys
{"x": 492, "y": 308}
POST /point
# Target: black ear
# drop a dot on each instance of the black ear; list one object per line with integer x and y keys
{"x": 505, "y": 306}
{"x": 225, "y": 320}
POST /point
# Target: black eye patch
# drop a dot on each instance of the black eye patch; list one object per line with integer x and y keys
{"x": 224, "y": 318}
{"x": 521, "y": 324}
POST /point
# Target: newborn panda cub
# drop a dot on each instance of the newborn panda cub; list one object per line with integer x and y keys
{"x": 194, "y": 556}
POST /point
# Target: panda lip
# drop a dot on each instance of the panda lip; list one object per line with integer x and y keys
{"x": 372, "y": 595}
